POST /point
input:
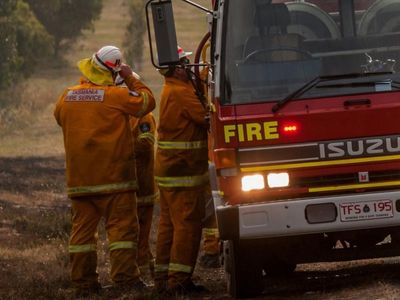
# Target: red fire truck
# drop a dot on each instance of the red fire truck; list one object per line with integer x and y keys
{"x": 305, "y": 131}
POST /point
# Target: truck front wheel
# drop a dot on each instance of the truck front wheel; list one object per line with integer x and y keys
{"x": 278, "y": 267}
{"x": 243, "y": 273}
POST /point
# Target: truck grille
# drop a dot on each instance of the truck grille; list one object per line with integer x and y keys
{"x": 345, "y": 179}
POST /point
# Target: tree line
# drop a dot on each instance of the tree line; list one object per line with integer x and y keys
{"x": 32, "y": 32}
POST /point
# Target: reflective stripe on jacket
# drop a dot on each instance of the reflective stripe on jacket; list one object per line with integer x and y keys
{"x": 97, "y": 138}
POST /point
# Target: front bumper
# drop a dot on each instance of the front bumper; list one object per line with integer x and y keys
{"x": 288, "y": 217}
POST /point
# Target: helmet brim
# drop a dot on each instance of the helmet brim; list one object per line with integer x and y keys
{"x": 94, "y": 73}
{"x": 184, "y": 54}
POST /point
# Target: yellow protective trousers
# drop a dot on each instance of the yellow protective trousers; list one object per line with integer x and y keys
{"x": 145, "y": 258}
{"x": 210, "y": 236}
{"x": 121, "y": 224}
{"x": 210, "y": 228}
{"x": 179, "y": 235}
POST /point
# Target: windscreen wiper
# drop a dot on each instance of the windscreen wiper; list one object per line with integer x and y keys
{"x": 317, "y": 80}
{"x": 300, "y": 91}
{"x": 228, "y": 87}
{"x": 368, "y": 82}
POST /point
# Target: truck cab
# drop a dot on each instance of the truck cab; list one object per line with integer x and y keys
{"x": 305, "y": 134}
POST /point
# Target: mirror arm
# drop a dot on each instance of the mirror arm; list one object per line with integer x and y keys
{"x": 198, "y": 6}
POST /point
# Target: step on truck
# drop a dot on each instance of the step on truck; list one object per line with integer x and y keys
{"x": 304, "y": 100}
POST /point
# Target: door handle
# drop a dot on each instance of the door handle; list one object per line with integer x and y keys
{"x": 355, "y": 102}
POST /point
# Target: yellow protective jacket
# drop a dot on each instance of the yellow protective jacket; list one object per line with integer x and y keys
{"x": 97, "y": 136}
{"x": 143, "y": 131}
{"x": 181, "y": 157}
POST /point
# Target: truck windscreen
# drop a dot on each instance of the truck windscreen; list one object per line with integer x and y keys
{"x": 273, "y": 48}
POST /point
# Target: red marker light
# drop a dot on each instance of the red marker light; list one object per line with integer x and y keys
{"x": 290, "y": 128}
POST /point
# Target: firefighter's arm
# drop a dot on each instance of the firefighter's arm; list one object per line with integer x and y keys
{"x": 140, "y": 98}
{"x": 194, "y": 110}
{"x": 146, "y": 130}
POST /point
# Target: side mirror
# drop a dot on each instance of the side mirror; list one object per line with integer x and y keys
{"x": 165, "y": 34}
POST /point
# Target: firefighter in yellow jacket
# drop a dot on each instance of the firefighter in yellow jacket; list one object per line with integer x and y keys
{"x": 100, "y": 167}
{"x": 182, "y": 176}
{"x": 143, "y": 130}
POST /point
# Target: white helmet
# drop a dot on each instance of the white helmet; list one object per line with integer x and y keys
{"x": 182, "y": 53}
{"x": 108, "y": 58}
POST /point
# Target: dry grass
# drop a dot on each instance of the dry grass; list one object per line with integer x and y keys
{"x": 41, "y": 272}
{"x": 33, "y": 257}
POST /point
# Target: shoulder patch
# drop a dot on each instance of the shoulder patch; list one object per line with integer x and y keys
{"x": 144, "y": 127}
{"x": 133, "y": 93}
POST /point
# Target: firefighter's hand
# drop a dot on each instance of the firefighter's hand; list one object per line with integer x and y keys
{"x": 125, "y": 71}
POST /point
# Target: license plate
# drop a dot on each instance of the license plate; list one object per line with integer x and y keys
{"x": 366, "y": 210}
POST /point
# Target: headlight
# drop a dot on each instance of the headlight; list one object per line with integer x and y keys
{"x": 278, "y": 180}
{"x": 252, "y": 182}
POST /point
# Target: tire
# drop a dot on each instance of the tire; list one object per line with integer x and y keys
{"x": 279, "y": 268}
{"x": 243, "y": 274}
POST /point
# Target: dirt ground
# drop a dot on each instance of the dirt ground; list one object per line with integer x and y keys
{"x": 37, "y": 183}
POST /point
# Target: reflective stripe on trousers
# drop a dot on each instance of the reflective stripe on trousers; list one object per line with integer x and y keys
{"x": 161, "y": 268}
{"x": 147, "y": 200}
{"x": 180, "y": 268}
{"x": 82, "y": 248}
{"x": 210, "y": 231}
{"x": 182, "y": 145}
{"x": 182, "y": 181}
{"x": 122, "y": 245}
{"x": 82, "y": 190}
{"x": 173, "y": 268}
